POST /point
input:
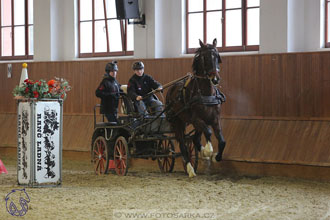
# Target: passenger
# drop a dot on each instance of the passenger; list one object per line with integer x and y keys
{"x": 139, "y": 85}
{"x": 109, "y": 92}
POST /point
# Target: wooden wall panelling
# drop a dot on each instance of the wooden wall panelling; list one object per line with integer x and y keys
{"x": 78, "y": 93}
{"x": 273, "y": 141}
{"x": 7, "y": 102}
{"x": 230, "y": 76}
{"x": 322, "y": 154}
{"x": 325, "y": 83}
{"x": 223, "y": 85}
{"x": 77, "y": 132}
{"x": 265, "y": 76}
{"x": 67, "y": 74}
{"x": 301, "y": 142}
{"x": 291, "y": 87}
{"x": 270, "y": 85}
{"x": 304, "y": 69}
{"x": 275, "y": 85}
{"x": 3, "y": 90}
{"x": 8, "y": 130}
{"x": 249, "y": 73}
{"x": 315, "y": 77}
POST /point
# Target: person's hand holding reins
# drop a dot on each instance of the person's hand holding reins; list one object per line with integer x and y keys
{"x": 138, "y": 98}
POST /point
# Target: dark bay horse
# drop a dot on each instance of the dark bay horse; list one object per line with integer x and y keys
{"x": 197, "y": 101}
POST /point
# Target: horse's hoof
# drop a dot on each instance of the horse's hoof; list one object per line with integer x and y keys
{"x": 218, "y": 158}
{"x": 190, "y": 170}
{"x": 213, "y": 158}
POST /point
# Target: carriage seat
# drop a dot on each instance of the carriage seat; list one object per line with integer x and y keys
{"x": 127, "y": 106}
{"x": 105, "y": 124}
{"x": 124, "y": 88}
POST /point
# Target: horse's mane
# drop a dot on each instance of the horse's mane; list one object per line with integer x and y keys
{"x": 196, "y": 60}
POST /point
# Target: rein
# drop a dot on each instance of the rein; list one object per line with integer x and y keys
{"x": 168, "y": 85}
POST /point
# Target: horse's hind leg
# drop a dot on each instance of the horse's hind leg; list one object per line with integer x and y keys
{"x": 197, "y": 140}
{"x": 221, "y": 141}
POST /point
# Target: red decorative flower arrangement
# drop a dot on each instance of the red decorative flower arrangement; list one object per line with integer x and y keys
{"x": 53, "y": 89}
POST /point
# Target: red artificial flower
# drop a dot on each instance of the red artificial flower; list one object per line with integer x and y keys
{"x": 51, "y": 82}
{"x": 28, "y": 82}
{"x": 27, "y": 89}
{"x": 35, "y": 94}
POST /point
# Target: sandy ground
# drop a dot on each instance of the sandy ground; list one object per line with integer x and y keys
{"x": 153, "y": 195}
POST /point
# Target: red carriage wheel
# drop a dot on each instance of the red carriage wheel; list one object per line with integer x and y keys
{"x": 166, "y": 164}
{"x": 192, "y": 154}
{"x": 121, "y": 156}
{"x": 100, "y": 157}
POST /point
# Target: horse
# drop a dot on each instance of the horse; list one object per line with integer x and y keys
{"x": 197, "y": 101}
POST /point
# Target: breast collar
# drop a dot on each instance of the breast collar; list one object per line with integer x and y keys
{"x": 200, "y": 99}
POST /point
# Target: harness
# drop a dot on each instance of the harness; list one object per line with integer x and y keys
{"x": 183, "y": 91}
{"x": 206, "y": 65}
{"x": 209, "y": 100}
{"x": 216, "y": 99}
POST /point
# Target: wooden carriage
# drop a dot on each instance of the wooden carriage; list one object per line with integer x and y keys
{"x": 134, "y": 136}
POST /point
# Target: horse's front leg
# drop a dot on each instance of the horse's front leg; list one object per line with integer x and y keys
{"x": 221, "y": 140}
{"x": 201, "y": 126}
{"x": 179, "y": 134}
{"x": 197, "y": 139}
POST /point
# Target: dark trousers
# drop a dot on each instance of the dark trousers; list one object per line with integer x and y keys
{"x": 112, "y": 117}
{"x": 154, "y": 105}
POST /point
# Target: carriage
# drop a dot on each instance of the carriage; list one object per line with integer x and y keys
{"x": 135, "y": 136}
{"x": 194, "y": 99}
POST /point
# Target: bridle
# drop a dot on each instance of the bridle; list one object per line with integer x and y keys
{"x": 215, "y": 57}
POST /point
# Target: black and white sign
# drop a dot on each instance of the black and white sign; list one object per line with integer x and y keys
{"x": 39, "y": 137}
{"x": 47, "y": 136}
{"x": 23, "y": 143}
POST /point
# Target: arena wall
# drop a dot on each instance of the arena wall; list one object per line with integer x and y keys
{"x": 277, "y": 108}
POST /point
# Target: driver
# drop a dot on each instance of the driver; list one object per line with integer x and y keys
{"x": 139, "y": 85}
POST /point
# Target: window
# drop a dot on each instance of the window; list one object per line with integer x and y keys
{"x": 235, "y": 24}
{"x": 16, "y": 29}
{"x": 327, "y": 23}
{"x": 100, "y": 33}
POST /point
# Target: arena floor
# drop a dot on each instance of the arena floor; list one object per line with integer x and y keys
{"x": 153, "y": 195}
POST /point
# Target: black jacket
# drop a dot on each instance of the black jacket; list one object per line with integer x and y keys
{"x": 141, "y": 85}
{"x": 108, "y": 91}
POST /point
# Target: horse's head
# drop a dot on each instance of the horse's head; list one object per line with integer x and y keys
{"x": 206, "y": 61}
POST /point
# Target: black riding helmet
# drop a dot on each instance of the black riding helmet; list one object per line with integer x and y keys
{"x": 138, "y": 66}
{"x": 110, "y": 67}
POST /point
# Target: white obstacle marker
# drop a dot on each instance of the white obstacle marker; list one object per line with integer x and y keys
{"x": 39, "y": 138}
